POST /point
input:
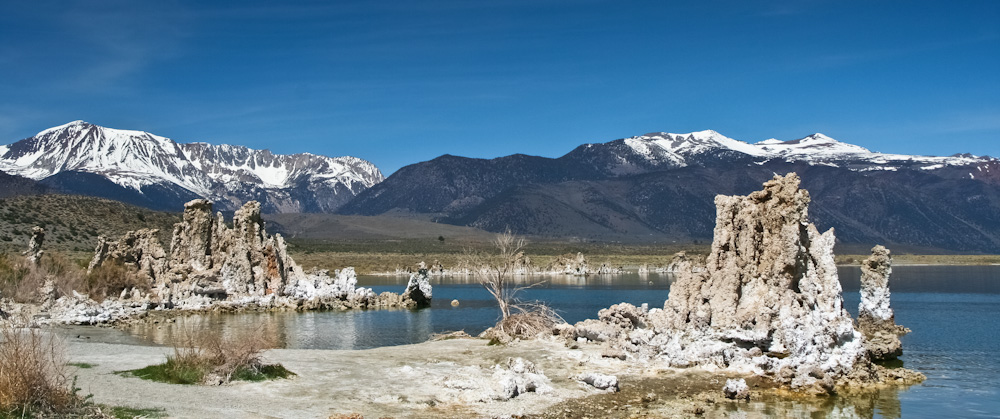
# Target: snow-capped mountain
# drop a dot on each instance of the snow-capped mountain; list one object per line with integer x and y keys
{"x": 667, "y": 150}
{"x": 661, "y": 187}
{"x": 158, "y": 170}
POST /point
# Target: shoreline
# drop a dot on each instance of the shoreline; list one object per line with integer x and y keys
{"x": 434, "y": 379}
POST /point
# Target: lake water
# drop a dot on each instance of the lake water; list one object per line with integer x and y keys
{"x": 954, "y": 312}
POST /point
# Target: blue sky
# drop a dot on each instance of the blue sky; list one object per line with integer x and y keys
{"x": 402, "y": 82}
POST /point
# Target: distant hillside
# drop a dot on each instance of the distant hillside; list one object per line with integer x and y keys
{"x": 73, "y": 223}
{"x": 13, "y": 185}
{"x": 334, "y": 227}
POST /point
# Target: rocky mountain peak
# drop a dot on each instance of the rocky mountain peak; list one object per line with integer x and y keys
{"x": 148, "y": 164}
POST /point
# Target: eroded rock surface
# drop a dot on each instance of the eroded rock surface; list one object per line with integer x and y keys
{"x": 569, "y": 264}
{"x": 768, "y": 301}
{"x": 876, "y": 320}
{"x": 34, "y": 252}
{"x": 736, "y": 389}
{"x": 599, "y": 381}
{"x": 418, "y": 289}
{"x": 210, "y": 264}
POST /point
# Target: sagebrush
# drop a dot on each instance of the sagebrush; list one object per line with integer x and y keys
{"x": 33, "y": 378}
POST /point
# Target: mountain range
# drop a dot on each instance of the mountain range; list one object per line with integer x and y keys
{"x": 658, "y": 187}
{"x": 661, "y": 187}
{"x": 156, "y": 172}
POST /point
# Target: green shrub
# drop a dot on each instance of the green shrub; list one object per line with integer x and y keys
{"x": 207, "y": 354}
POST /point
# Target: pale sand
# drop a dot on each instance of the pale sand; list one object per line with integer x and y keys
{"x": 431, "y": 379}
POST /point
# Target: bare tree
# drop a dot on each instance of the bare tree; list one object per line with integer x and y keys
{"x": 495, "y": 271}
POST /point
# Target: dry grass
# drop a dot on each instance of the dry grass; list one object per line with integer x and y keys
{"x": 206, "y": 357}
{"x": 227, "y": 355}
{"x": 388, "y": 255}
{"x": 22, "y": 281}
{"x": 33, "y": 377}
{"x": 911, "y": 259}
{"x": 110, "y": 279}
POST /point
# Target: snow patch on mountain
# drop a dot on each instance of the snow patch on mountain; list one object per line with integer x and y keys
{"x": 677, "y": 146}
{"x": 135, "y": 159}
{"x": 678, "y": 149}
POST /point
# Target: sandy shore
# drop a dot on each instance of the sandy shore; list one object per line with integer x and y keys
{"x": 440, "y": 379}
{"x": 450, "y": 378}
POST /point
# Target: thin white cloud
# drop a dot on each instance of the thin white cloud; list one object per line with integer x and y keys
{"x": 976, "y": 121}
{"x": 118, "y": 39}
{"x": 862, "y": 57}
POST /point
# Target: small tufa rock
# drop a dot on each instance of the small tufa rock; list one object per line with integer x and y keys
{"x": 736, "y": 389}
{"x": 47, "y": 294}
{"x": 418, "y": 290}
{"x": 876, "y": 320}
{"x": 34, "y": 252}
{"x": 599, "y": 381}
{"x": 569, "y": 264}
{"x": 518, "y": 376}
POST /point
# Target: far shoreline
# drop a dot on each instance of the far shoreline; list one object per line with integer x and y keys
{"x": 387, "y": 263}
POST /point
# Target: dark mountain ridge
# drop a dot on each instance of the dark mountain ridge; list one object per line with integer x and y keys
{"x": 630, "y": 190}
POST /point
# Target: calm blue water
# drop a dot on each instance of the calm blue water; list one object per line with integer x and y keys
{"x": 954, "y": 313}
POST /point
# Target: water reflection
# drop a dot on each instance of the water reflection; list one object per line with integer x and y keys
{"x": 617, "y": 280}
{"x": 916, "y": 289}
{"x": 876, "y": 404}
{"x": 936, "y": 279}
{"x": 354, "y": 329}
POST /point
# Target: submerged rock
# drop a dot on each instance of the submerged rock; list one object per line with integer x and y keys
{"x": 876, "y": 320}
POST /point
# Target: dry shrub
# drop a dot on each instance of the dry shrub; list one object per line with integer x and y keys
{"x": 67, "y": 274}
{"x": 32, "y": 373}
{"x": 110, "y": 279}
{"x": 530, "y": 321}
{"x": 224, "y": 356}
{"x": 21, "y": 280}
{"x": 13, "y": 271}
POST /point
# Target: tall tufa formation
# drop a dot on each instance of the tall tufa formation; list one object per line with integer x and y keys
{"x": 770, "y": 296}
{"x": 768, "y": 301}
{"x": 210, "y": 263}
{"x": 876, "y": 320}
